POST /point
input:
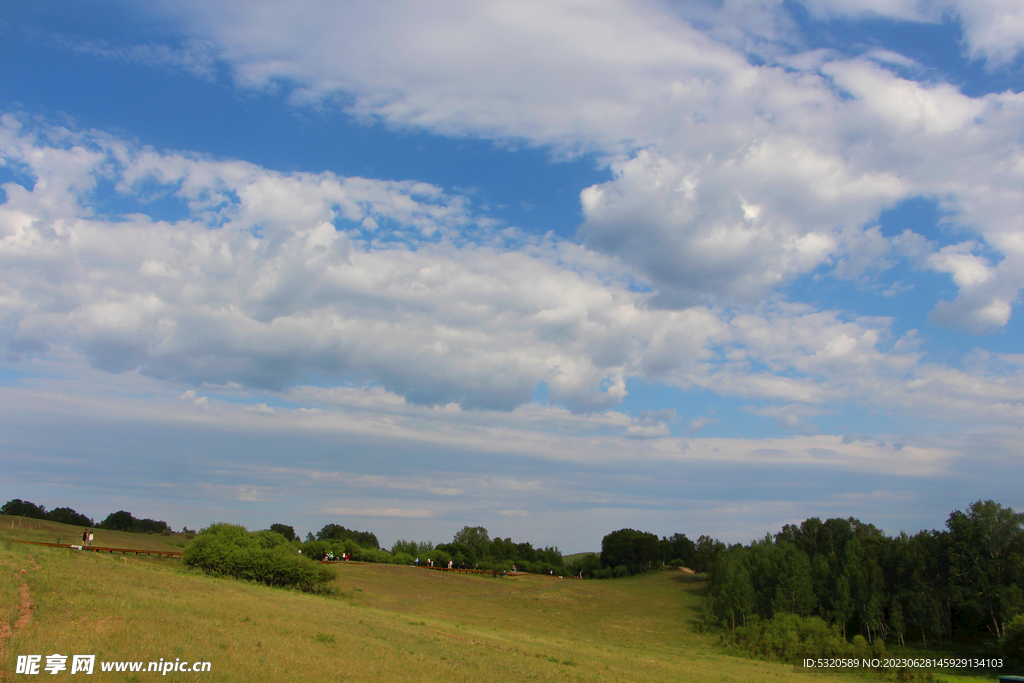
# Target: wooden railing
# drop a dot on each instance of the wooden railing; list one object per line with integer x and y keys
{"x": 174, "y": 554}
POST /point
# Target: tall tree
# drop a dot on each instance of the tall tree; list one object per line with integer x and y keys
{"x": 635, "y": 550}
{"x": 476, "y": 537}
{"x": 794, "y": 589}
{"x": 986, "y": 545}
{"x": 118, "y": 521}
{"x": 285, "y": 530}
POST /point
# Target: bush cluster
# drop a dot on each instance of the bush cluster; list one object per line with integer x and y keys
{"x": 261, "y": 556}
{"x": 789, "y": 637}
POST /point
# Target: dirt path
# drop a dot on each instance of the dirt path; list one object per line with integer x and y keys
{"x": 24, "y": 614}
{"x": 24, "y": 608}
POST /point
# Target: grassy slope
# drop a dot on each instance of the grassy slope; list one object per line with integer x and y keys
{"x": 576, "y": 557}
{"x": 25, "y": 529}
{"x": 386, "y": 623}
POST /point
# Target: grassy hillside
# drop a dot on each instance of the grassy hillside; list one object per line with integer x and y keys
{"x": 382, "y": 622}
{"x": 25, "y": 529}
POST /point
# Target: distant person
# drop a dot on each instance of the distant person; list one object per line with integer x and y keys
{"x": 90, "y": 539}
{"x": 417, "y": 561}
{"x": 85, "y": 536}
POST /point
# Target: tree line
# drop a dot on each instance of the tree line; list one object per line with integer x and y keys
{"x": 627, "y": 551}
{"x": 962, "y": 583}
{"x": 115, "y": 521}
{"x": 472, "y": 547}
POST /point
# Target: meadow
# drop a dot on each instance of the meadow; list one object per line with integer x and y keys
{"x": 25, "y": 529}
{"x": 378, "y": 622}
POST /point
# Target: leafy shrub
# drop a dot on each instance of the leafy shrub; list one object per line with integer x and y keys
{"x": 439, "y": 557}
{"x": 264, "y": 557}
{"x": 269, "y": 539}
{"x": 788, "y": 637}
{"x": 1012, "y": 643}
{"x": 402, "y": 558}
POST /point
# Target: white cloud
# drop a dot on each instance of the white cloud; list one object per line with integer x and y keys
{"x": 731, "y": 178}
{"x": 272, "y": 278}
{"x": 993, "y": 29}
{"x": 194, "y": 57}
{"x": 650, "y": 424}
{"x": 197, "y": 401}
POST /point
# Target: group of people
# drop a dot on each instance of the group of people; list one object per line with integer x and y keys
{"x": 87, "y": 537}
{"x": 331, "y": 558}
{"x": 430, "y": 562}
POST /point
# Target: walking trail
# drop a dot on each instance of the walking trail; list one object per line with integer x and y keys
{"x": 24, "y": 614}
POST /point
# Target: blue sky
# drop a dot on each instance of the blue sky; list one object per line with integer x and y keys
{"x": 554, "y": 268}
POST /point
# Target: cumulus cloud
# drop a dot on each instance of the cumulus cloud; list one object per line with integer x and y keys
{"x": 651, "y": 423}
{"x": 992, "y": 29}
{"x": 197, "y": 401}
{"x": 731, "y": 178}
{"x": 273, "y": 278}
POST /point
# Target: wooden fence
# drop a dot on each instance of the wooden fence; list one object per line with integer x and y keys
{"x": 174, "y": 554}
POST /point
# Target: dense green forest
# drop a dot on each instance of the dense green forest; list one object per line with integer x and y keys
{"x": 959, "y": 584}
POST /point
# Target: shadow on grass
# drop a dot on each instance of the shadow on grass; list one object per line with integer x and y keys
{"x": 687, "y": 578}
{"x": 694, "y": 583}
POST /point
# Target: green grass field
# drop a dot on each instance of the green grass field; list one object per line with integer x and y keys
{"x": 25, "y": 529}
{"x": 382, "y": 622}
